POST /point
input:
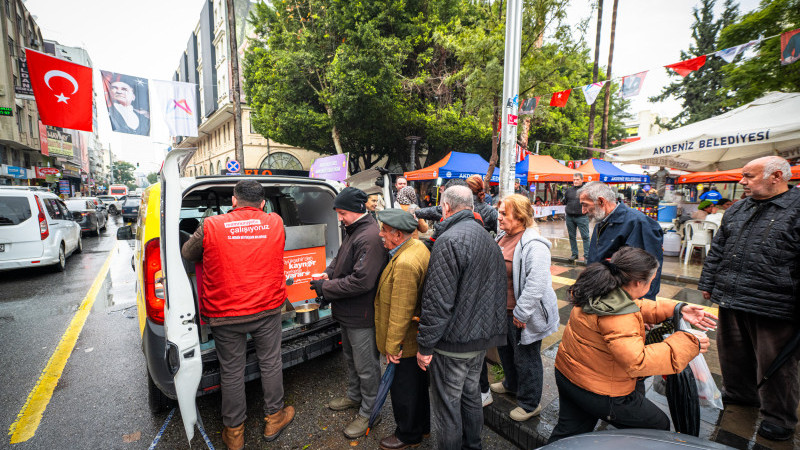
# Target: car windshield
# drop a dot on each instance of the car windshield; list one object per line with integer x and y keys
{"x": 75, "y": 205}
{"x": 14, "y": 210}
{"x": 106, "y": 199}
{"x": 132, "y": 201}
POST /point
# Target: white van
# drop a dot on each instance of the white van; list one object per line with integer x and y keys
{"x": 36, "y": 229}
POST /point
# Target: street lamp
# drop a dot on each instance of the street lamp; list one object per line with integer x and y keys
{"x": 413, "y": 140}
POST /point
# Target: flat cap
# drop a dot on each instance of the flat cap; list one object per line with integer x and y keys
{"x": 705, "y": 204}
{"x": 398, "y": 219}
{"x": 351, "y": 199}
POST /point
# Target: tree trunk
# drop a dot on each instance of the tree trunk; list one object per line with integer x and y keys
{"x": 495, "y": 143}
{"x": 604, "y": 140}
{"x": 590, "y": 139}
{"x": 235, "y": 89}
{"x": 337, "y": 142}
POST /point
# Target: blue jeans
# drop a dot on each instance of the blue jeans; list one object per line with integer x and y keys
{"x": 456, "y": 401}
{"x": 582, "y": 222}
{"x": 522, "y": 366}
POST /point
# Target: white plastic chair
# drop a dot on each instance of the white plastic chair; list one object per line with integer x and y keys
{"x": 697, "y": 233}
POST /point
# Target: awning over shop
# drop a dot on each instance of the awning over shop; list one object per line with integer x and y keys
{"x": 543, "y": 168}
{"x": 722, "y": 176}
{"x": 599, "y": 170}
{"x": 454, "y": 165}
{"x": 767, "y": 126}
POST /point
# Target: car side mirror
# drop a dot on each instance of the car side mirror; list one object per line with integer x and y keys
{"x": 124, "y": 233}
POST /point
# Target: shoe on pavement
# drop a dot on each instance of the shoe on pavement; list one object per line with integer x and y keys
{"x": 520, "y": 415}
{"x": 773, "y": 432}
{"x": 358, "y": 426}
{"x": 394, "y": 443}
{"x": 500, "y": 388}
{"x": 342, "y": 403}
{"x": 277, "y": 422}
{"x": 572, "y": 259}
{"x": 486, "y": 398}
{"x": 234, "y": 437}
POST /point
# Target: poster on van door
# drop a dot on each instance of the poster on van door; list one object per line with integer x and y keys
{"x": 300, "y": 264}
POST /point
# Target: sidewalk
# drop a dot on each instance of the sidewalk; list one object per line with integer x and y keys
{"x": 736, "y": 426}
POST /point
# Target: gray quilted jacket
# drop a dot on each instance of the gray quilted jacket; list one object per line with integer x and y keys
{"x": 754, "y": 262}
{"x": 464, "y": 295}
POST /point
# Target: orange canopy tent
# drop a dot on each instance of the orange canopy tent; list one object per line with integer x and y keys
{"x": 722, "y": 176}
{"x": 543, "y": 168}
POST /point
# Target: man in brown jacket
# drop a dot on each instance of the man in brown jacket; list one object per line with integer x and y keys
{"x": 397, "y": 302}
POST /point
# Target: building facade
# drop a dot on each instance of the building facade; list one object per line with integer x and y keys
{"x": 20, "y": 144}
{"x": 205, "y": 62}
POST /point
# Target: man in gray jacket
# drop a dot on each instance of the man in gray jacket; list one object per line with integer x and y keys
{"x": 576, "y": 218}
{"x": 463, "y": 314}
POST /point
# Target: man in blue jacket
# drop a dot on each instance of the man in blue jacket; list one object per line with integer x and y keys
{"x": 618, "y": 226}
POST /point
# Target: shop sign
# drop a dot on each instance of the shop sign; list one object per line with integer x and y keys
{"x": 43, "y": 172}
{"x": 16, "y": 172}
{"x": 59, "y": 142}
{"x": 8, "y": 112}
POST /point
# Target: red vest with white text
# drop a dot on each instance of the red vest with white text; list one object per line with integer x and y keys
{"x": 243, "y": 263}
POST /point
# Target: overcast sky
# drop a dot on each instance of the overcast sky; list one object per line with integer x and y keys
{"x": 146, "y": 38}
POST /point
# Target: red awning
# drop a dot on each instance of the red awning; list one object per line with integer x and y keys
{"x": 722, "y": 176}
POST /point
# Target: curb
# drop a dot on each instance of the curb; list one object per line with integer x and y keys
{"x": 523, "y": 435}
{"x": 664, "y": 276}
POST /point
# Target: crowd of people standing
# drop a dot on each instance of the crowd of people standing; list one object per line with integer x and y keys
{"x": 433, "y": 307}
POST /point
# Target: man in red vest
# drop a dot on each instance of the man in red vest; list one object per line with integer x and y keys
{"x": 243, "y": 290}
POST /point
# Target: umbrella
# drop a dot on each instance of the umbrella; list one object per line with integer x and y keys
{"x": 684, "y": 403}
{"x": 781, "y": 359}
{"x": 383, "y": 392}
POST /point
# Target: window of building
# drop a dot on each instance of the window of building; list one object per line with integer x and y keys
{"x": 19, "y": 119}
{"x": 219, "y": 167}
{"x": 281, "y": 160}
{"x": 210, "y": 168}
{"x": 11, "y": 48}
{"x": 9, "y": 12}
{"x": 30, "y": 124}
{"x": 20, "y": 28}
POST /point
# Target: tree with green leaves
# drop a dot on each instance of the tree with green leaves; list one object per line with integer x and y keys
{"x": 152, "y": 177}
{"x": 701, "y": 92}
{"x": 123, "y": 173}
{"x": 751, "y": 78}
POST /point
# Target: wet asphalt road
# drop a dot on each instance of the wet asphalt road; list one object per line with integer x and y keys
{"x": 101, "y": 397}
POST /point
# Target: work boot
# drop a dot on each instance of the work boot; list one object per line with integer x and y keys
{"x": 774, "y": 432}
{"x": 342, "y": 403}
{"x": 277, "y": 422}
{"x": 234, "y": 437}
{"x": 358, "y": 426}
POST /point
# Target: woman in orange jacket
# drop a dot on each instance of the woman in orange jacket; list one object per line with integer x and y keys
{"x": 602, "y": 358}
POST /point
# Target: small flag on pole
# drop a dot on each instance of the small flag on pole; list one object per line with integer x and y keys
{"x": 730, "y": 53}
{"x": 688, "y": 66}
{"x": 63, "y": 91}
{"x": 529, "y": 105}
{"x": 790, "y": 47}
{"x": 590, "y": 91}
{"x": 632, "y": 84}
{"x": 559, "y": 99}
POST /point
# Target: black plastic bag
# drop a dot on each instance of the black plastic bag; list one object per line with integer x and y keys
{"x": 684, "y": 404}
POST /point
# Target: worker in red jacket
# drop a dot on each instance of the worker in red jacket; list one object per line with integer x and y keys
{"x": 244, "y": 288}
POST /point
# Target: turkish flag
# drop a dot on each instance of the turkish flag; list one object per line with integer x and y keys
{"x": 686, "y": 67}
{"x": 560, "y": 98}
{"x": 63, "y": 91}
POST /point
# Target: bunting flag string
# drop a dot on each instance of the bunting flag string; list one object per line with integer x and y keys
{"x": 630, "y": 85}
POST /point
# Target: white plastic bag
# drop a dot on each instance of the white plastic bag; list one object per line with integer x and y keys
{"x": 707, "y": 390}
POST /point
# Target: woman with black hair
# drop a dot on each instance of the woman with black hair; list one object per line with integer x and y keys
{"x": 602, "y": 358}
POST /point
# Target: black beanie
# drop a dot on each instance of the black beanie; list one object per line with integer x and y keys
{"x": 351, "y": 199}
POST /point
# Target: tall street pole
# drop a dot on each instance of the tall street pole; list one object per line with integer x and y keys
{"x": 604, "y": 138}
{"x": 592, "y": 112}
{"x": 233, "y": 54}
{"x": 510, "y": 96}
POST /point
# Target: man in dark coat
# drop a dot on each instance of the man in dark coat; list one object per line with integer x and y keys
{"x": 463, "y": 314}
{"x": 753, "y": 273}
{"x": 618, "y": 226}
{"x": 350, "y": 283}
{"x": 576, "y": 218}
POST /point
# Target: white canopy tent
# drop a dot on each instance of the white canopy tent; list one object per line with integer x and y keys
{"x": 767, "y": 126}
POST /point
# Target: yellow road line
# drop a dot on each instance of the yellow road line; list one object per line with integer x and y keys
{"x": 31, "y": 413}
{"x": 569, "y": 281}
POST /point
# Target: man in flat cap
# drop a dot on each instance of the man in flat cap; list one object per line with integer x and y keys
{"x": 397, "y": 303}
{"x": 349, "y": 284}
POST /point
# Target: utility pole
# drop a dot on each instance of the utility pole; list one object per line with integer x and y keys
{"x": 233, "y": 54}
{"x": 604, "y": 139}
{"x": 592, "y": 112}
{"x": 510, "y": 96}
{"x": 413, "y": 157}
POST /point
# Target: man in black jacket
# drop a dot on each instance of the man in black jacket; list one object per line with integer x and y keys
{"x": 753, "y": 273}
{"x": 576, "y": 218}
{"x": 350, "y": 283}
{"x": 463, "y": 314}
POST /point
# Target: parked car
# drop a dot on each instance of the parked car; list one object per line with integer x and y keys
{"x": 113, "y": 204}
{"x": 36, "y": 229}
{"x": 100, "y": 205}
{"x": 181, "y": 358}
{"x": 130, "y": 208}
{"x": 85, "y": 213}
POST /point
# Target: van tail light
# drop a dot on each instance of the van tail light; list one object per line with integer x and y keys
{"x": 43, "y": 230}
{"x": 153, "y": 281}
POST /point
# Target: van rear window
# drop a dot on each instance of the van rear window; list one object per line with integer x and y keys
{"x": 14, "y": 210}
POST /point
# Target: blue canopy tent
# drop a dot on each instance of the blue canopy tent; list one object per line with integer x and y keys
{"x": 454, "y": 165}
{"x": 599, "y": 170}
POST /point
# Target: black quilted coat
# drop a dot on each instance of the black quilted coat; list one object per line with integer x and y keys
{"x": 754, "y": 262}
{"x": 487, "y": 213}
{"x": 464, "y": 295}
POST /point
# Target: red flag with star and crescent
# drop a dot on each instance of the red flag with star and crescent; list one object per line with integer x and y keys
{"x": 63, "y": 91}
